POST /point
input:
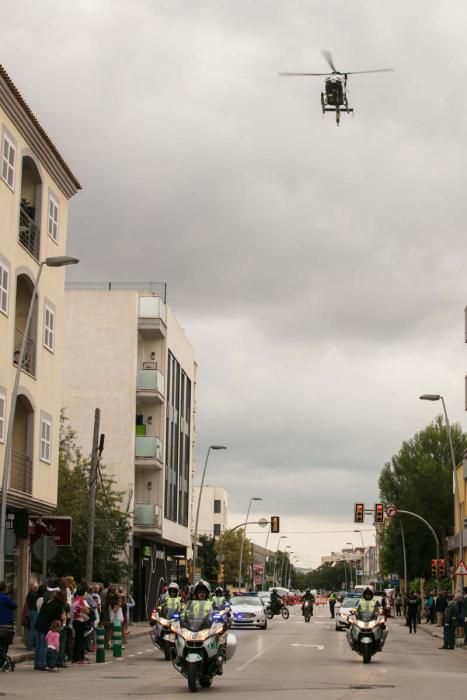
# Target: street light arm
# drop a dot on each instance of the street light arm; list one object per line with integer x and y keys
{"x": 195, "y": 536}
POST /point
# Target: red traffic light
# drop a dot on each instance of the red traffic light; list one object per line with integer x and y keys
{"x": 359, "y": 512}
{"x": 379, "y": 512}
{"x": 442, "y": 567}
{"x": 434, "y": 568}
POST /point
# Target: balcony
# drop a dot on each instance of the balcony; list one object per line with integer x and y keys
{"x": 29, "y": 359}
{"x": 148, "y": 516}
{"x": 150, "y": 385}
{"x": 29, "y": 233}
{"x": 21, "y": 472}
{"x": 149, "y": 451}
{"x": 152, "y": 317}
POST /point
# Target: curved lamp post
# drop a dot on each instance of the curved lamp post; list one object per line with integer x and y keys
{"x": 195, "y": 534}
{"x": 56, "y": 261}
{"x": 438, "y": 397}
{"x": 253, "y": 498}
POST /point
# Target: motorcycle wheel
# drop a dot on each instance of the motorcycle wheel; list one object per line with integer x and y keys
{"x": 192, "y": 675}
{"x": 167, "y": 652}
{"x": 269, "y": 614}
{"x": 366, "y": 653}
{"x": 205, "y": 682}
{"x": 285, "y": 613}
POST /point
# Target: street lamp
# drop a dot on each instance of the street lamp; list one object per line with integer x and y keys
{"x": 56, "y": 261}
{"x": 287, "y": 570}
{"x": 253, "y": 498}
{"x": 354, "y": 562}
{"x": 282, "y": 537}
{"x": 287, "y": 546}
{"x": 363, "y": 554}
{"x": 438, "y": 397}
{"x": 195, "y": 535}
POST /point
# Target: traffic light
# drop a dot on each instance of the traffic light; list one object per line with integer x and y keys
{"x": 379, "y": 512}
{"x": 359, "y": 513}
{"x": 275, "y": 524}
{"x": 434, "y": 568}
{"x": 442, "y": 567}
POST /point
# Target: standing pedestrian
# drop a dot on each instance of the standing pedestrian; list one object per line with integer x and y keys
{"x": 412, "y": 611}
{"x": 332, "y": 603}
{"x": 80, "y": 616}
{"x": 431, "y": 607}
{"x": 398, "y": 604}
{"x": 31, "y": 615}
{"x": 450, "y": 623}
{"x": 440, "y": 606}
{"x": 52, "y": 639}
{"x": 53, "y": 609}
{"x": 7, "y": 606}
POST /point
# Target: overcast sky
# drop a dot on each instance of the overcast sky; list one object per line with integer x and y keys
{"x": 318, "y": 271}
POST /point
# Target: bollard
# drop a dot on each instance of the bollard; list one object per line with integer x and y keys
{"x": 100, "y": 645}
{"x": 117, "y": 639}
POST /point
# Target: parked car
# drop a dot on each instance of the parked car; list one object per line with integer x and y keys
{"x": 248, "y": 611}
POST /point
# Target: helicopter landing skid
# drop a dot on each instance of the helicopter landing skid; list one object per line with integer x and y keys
{"x": 341, "y": 109}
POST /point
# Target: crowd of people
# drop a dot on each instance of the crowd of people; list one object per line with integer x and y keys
{"x": 60, "y": 619}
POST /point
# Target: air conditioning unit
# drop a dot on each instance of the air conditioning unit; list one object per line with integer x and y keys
{"x": 149, "y": 365}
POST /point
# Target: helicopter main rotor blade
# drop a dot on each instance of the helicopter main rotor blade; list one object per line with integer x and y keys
{"x": 376, "y": 70}
{"x": 328, "y": 57}
{"x": 301, "y": 74}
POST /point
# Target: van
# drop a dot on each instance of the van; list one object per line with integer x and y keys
{"x": 361, "y": 587}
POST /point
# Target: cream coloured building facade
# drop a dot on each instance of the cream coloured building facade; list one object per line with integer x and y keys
{"x": 126, "y": 354}
{"x": 213, "y": 510}
{"x": 35, "y": 187}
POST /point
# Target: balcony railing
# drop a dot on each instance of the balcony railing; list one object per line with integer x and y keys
{"x": 21, "y": 472}
{"x": 29, "y": 233}
{"x": 29, "y": 359}
{"x": 149, "y": 447}
{"x": 151, "y": 307}
{"x": 148, "y": 515}
{"x": 150, "y": 380}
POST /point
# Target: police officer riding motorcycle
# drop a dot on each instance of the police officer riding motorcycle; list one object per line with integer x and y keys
{"x": 307, "y": 604}
{"x": 367, "y": 631}
{"x": 169, "y": 609}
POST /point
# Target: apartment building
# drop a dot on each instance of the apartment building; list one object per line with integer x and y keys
{"x": 36, "y": 185}
{"x": 126, "y": 354}
{"x": 212, "y": 512}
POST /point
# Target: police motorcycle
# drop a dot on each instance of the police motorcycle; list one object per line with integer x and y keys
{"x": 161, "y": 621}
{"x": 203, "y": 643}
{"x": 307, "y": 605}
{"x": 276, "y": 607}
{"x": 367, "y": 631}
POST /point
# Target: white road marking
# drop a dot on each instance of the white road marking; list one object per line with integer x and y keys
{"x": 320, "y": 647}
{"x": 140, "y": 652}
{"x": 258, "y": 655}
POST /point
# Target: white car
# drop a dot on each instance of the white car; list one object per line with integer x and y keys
{"x": 342, "y": 611}
{"x": 265, "y": 598}
{"x": 248, "y": 611}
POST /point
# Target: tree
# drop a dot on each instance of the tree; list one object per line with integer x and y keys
{"x": 207, "y": 557}
{"x": 112, "y": 527}
{"x": 326, "y": 577}
{"x": 419, "y": 479}
{"x": 230, "y": 545}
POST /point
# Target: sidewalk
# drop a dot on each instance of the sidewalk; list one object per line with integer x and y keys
{"x": 432, "y": 630}
{"x": 19, "y": 653}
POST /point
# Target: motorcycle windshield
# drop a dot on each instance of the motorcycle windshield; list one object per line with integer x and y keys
{"x": 196, "y": 621}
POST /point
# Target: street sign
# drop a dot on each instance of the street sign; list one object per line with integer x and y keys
{"x": 461, "y": 569}
{"x": 220, "y": 558}
{"x": 391, "y": 510}
{"x": 57, "y": 529}
{"x": 44, "y": 548}
{"x": 263, "y": 522}
{"x": 380, "y": 581}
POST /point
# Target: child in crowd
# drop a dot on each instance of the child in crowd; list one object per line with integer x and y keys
{"x": 52, "y": 639}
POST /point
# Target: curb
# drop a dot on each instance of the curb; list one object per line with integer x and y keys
{"x": 21, "y": 656}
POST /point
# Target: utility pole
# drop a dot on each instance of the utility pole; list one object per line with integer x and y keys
{"x": 97, "y": 448}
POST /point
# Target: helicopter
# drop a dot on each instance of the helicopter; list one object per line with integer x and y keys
{"x": 334, "y": 98}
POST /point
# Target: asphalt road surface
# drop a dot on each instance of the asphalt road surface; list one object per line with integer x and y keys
{"x": 290, "y": 660}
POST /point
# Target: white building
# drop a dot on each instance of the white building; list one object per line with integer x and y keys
{"x": 212, "y": 512}
{"x": 35, "y": 187}
{"x": 126, "y": 354}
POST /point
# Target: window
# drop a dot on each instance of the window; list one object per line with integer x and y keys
{"x": 2, "y": 417}
{"x": 4, "y": 277}
{"x": 217, "y": 506}
{"x": 53, "y": 218}
{"x": 49, "y": 328}
{"x": 46, "y": 434}
{"x": 217, "y": 530}
{"x": 8, "y": 162}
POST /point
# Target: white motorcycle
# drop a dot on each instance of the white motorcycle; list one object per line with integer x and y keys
{"x": 203, "y": 644}
{"x": 367, "y": 637}
{"x": 162, "y": 634}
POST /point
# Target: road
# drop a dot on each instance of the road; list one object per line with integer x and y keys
{"x": 289, "y": 661}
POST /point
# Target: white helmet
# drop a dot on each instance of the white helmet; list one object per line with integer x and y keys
{"x": 173, "y": 587}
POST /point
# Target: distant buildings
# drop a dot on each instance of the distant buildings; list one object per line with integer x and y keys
{"x": 213, "y": 510}
{"x": 36, "y": 185}
{"x": 126, "y": 354}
